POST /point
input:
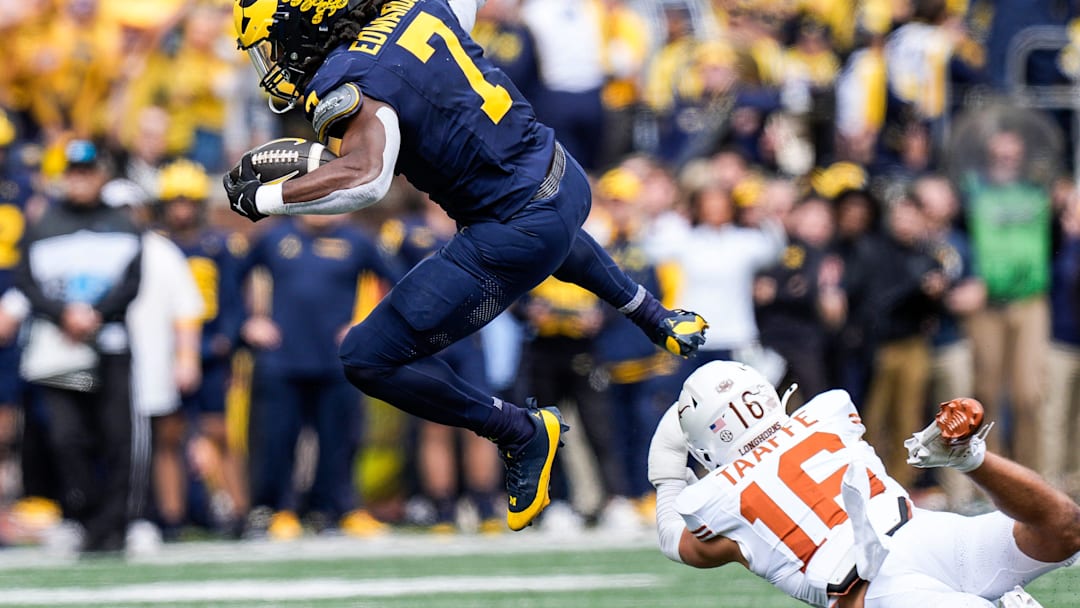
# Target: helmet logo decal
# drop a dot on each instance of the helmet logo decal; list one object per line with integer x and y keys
{"x": 726, "y": 436}
{"x": 753, "y": 443}
{"x": 725, "y": 385}
{"x": 718, "y": 426}
{"x": 322, "y": 8}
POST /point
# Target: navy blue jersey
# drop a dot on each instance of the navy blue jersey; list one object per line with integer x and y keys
{"x": 315, "y": 283}
{"x": 511, "y": 47}
{"x": 468, "y": 137}
{"x": 214, "y": 263}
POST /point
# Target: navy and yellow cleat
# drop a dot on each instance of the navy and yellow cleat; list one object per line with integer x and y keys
{"x": 528, "y": 471}
{"x": 681, "y": 333}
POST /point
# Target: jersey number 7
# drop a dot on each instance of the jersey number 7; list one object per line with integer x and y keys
{"x": 417, "y": 40}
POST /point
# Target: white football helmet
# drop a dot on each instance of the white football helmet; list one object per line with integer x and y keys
{"x": 726, "y": 409}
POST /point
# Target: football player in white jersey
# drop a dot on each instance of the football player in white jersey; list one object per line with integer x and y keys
{"x": 805, "y": 503}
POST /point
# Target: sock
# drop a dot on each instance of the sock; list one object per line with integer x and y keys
{"x": 509, "y": 426}
{"x": 646, "y": 312}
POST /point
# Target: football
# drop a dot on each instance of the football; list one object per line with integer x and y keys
{"x": 288, "y": 157}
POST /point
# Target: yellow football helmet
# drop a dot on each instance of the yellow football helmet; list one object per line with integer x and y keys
{"x": 183, "y": 179}
{"x": 281, "y": 35}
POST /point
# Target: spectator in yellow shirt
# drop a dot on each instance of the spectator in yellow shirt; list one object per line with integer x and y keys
{"x": 193, "y": 84}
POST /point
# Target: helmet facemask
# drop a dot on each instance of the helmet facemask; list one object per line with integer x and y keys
{"x": 276, "y": 76}
{"x": 725, "y": 410}
{"x": 281, "y": 38}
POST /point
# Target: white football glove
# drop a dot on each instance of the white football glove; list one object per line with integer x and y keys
{"x": 927, "y": 449}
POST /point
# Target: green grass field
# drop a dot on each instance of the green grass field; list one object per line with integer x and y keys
{"x": 407, "y": 570}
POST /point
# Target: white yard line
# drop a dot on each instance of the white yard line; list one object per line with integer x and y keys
{"x": 315, "y": 589}
{"x": 323, "y": 547}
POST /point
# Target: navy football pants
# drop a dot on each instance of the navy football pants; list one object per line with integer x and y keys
{"x": 462, "y": 287}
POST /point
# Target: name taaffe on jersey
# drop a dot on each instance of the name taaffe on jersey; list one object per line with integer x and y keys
{"x": 777, "y": 437}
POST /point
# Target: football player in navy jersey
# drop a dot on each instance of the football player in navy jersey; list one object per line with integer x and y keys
{"x": 404, "y": 89}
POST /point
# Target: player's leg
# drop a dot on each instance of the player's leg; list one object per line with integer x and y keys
{"x": 1037, "y": 528}
{"x": 946, "y": 559}
{"x": 588, "y": 265}
{"x": 428, "y": 388}
{"x": 1047, "y": 521}
{"x": 446, "y": 297}
{"x": 479, "y": 461}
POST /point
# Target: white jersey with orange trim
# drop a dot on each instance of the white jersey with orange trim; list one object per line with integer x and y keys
{"x": 781, "y": 500}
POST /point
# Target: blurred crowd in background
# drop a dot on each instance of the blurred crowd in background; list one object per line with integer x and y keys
{"x": 874, "y": 195}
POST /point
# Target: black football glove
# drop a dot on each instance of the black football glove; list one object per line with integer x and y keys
{"x": 241, "y": 184}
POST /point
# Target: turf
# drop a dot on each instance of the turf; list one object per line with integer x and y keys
{"x": 414, "y": 567}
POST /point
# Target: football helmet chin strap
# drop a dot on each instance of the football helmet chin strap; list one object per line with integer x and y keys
{"x": 787, "y": 395}
{"x": 276, "y": 109}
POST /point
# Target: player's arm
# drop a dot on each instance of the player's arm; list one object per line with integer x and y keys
{"x": 668, "y": 474}
{"x": 713, "y": 553}
{"x": 362, "y": 174}
{"x": 358, "y": 178}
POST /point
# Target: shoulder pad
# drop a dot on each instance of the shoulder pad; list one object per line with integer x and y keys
{"x": 328, "y": 112}
{"x": 834, "y": 404}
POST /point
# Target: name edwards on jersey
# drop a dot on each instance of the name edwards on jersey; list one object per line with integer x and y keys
{"x": 374, "y": 35}
{"x": 774, "y": 436}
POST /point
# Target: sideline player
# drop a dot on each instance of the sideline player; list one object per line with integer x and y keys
{"x": 805, "y": 503}
{"x": 405, "y": 89}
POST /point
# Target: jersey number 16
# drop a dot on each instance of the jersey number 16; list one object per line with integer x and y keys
{"x": 815, "y": 500}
